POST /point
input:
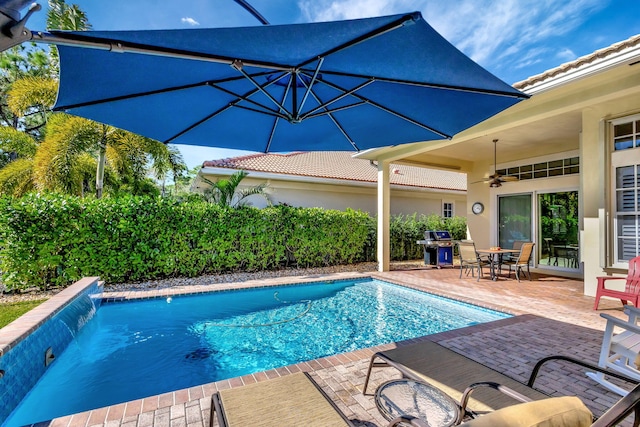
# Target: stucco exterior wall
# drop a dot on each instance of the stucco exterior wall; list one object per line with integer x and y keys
{"x": 596, "y": 184}
{"x": 360, "y": 197}
{"x": 483, "y": 228}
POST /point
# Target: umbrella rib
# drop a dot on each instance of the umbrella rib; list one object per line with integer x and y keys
{"x": 271, "y": 135}
{"x": 335, "y": 121}
{"x": 313, "y": 80}
{"x": 113, "y": 45}
{"x": 238, "y": 67}
{"x": 328, "y": 111}
{"x": 275, "y": 122}
{"x": 399, "y": 23}
{"x": 514, "y": 94}
{"x": 150, "y": 92}
{"x": 130, "y": 96}
{"x": 336, "y": 99}
{"x": 245, "y": 97}
{"x": 383, "y": 108}
{"x": 268, "y": 111}
{"x": 198, "y": 123}
{"x": 233, "y": 103}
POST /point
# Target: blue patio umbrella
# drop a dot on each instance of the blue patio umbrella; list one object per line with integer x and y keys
{"x": 344, "y": 85}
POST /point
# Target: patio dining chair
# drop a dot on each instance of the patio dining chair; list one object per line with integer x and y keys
{"x": 470, "y": 260}
{"x": 523, "y": 259}
{"x": 517, "y": 245}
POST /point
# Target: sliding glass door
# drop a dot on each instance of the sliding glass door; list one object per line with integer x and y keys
{"x": 514, "y": 219}
{"x": 558, "y": 224}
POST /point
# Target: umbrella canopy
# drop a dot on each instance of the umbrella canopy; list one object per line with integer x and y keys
{"x": 344, "y": 85}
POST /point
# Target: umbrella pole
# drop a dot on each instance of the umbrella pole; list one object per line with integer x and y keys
{"x": 252, "y": 11}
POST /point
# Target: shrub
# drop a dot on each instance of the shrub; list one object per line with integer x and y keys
{"x": 54, "y": 239}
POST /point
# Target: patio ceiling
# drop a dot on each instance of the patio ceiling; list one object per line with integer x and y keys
{"x": 549, "y": 122}
{"x": 554, "y": 134}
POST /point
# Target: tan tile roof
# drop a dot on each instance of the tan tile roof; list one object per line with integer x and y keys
{"x": 584, "y": 60}
{"x": 340, "y": 165}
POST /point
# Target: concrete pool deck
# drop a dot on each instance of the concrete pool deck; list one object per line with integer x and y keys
{"x": 552, "y": 317}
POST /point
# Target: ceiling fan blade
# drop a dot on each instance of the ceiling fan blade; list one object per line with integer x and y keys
{"x": 508, "y": 178}
{"x": 482, "y": 181}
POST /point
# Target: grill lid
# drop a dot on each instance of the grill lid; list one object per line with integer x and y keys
{"x": 437, "y": 235}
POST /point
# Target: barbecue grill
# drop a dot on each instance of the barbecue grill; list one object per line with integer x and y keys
{"x": 438, "y": 248}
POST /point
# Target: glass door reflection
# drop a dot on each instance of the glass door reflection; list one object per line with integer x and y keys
{"x": 558, "y": 225}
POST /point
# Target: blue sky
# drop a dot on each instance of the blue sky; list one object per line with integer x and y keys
{"x": 514, "y": 39}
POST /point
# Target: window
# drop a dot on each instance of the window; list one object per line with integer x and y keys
{"x": 627, "y": 188}
{"x": 625, "y": 182}
{"x": 559, "y": 167}
{"x": 447, "y": 210}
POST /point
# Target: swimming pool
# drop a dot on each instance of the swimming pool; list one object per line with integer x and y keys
{"x": 130, "y": 350}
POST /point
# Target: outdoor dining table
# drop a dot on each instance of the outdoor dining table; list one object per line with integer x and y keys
{"x": 495, "y": 259}
{"x": 568, "y": 252}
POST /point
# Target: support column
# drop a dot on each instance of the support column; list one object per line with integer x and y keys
{"x": 384, "y": 213}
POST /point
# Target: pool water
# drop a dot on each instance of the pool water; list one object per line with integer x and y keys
{"x": 131, "y": 350}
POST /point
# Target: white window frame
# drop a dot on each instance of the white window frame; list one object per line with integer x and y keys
{"x": 623, "y": 158}
{"x": 444, "y": 208}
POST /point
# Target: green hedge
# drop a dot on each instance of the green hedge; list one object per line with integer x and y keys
{"x": 406, "y": 230}
{"x": 55, "y": 240}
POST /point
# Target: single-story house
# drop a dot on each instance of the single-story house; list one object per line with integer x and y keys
{"x": 573, "y": 152}
{"x": 337, "y": 180}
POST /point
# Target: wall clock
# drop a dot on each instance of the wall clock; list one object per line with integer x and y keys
{"x": 477, "y": 208}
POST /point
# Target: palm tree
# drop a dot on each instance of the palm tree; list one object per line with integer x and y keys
{"x": 226, "y": 192}
{"x": 63, "y": 161}
{"x": 62, "y": 16}
{"x": 17, "y": 63}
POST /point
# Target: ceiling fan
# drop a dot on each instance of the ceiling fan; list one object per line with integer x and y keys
{"x": 496, "y": 179}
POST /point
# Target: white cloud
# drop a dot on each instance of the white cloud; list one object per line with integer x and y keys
{"x": 190, "y": 21}
{"x": 566, "y": 55}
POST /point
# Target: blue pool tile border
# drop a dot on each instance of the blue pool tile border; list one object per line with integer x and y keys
{"x": 132, "y": 297}
{"x": 24, "y": 342}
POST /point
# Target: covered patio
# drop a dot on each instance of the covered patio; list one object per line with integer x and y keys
{"x": 552, "y": 316}
{"x": 564, "y": 153}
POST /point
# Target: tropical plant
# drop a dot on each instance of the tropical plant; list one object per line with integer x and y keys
{"x": 62, "y": 16}
{"x": 227, "y": 192}
{"x": 70, "y": 154}
{"x": 17, "y": 63}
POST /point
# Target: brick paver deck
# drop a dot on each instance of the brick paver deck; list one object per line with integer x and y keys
{"x": 553, "y": 317}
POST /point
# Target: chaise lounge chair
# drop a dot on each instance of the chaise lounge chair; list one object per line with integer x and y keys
{"x": 297, "y": 400}
{"x": 286, "y": 401}
{"x": 481, "y": 390}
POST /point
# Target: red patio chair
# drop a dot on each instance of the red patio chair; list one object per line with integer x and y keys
{"x": 631, "y": 293}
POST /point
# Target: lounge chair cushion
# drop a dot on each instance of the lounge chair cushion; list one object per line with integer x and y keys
{"x": 567, "y": 411}
{"x": 285, "y": 401}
